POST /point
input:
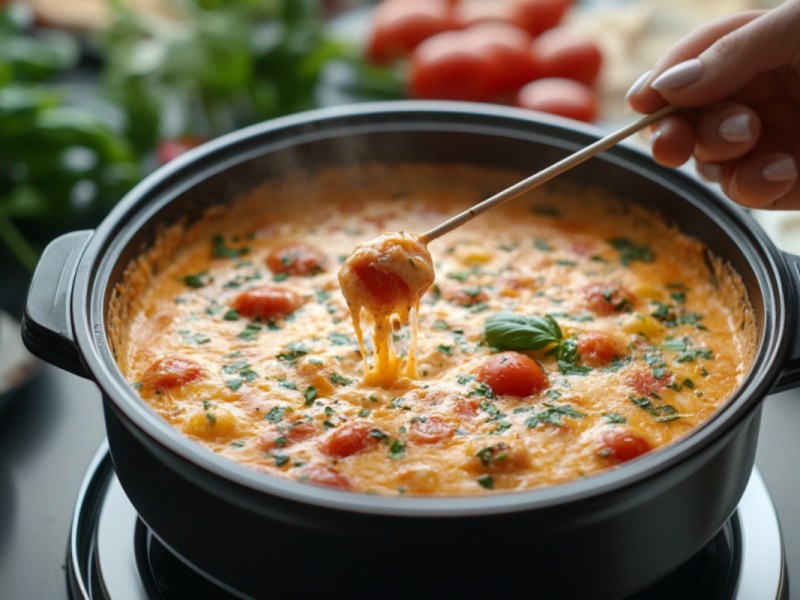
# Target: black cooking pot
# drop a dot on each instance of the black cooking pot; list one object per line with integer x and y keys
{"x": 606, "y": 536}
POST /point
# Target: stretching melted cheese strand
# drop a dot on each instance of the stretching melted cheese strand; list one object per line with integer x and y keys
{"x": 384, "y": 277}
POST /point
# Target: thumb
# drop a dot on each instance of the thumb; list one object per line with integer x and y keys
{"x": 724, "y": 56}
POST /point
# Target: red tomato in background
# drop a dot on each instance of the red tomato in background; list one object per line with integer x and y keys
{"x": 168, "y": 150}
{"x": 399, "y": 26}
{"x": 445, "y": 67}
{"x": 536, "y": 16}
{"x": 513, "y": 374}
{"x": 564, "y": 52}
{"x": 471, "y": 12}
{"x": 558, "y": 96}
{"x": 508, "y": 48}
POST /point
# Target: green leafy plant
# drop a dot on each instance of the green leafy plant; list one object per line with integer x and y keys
{"x": 60, "y": 164}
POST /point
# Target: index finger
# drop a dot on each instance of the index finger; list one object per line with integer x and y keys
{"x": 644, "y": 99}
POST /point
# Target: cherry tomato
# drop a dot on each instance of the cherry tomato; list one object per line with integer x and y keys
{"x": 399, "y": 26}
{"x": 328, "y": 476}
{"x": 564, "y": 52}
{"x": 471, "y": 12}
{"x": 562, "y": 97}
{"x": 431, "y": 430}
{"x": 513, "y": 64}
{"x": 624, "y": 445}
{"x": 597, "y": 348}
{"x": 445, "y": 67}
{"x": 348, "y": 439}
{"x": 171, "y": 372}
{"x": 296, "y": 259}
{"x": 267, "y": 302}
{"x": 168, "y": 150}
{"x": 607, "y": 299}
{"x": 388, "y": 290}
{"x": 513, "y": 374}
{"x": 536, "y": 16}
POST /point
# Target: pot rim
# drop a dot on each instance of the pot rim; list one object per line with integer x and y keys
{"x": 97, "y": 262}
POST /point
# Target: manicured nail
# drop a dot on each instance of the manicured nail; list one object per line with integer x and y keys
{"x": 638, "y": 84}
{"x": 710, "y": 172}
{"x": 654, "y": 136}
{"x": 678, "y": 76}
{"x": 783, "y": 169}
{"x": 736, "y": 128}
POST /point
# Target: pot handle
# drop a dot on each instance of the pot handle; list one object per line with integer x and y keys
{"x": 790, "y": 376}
{"x": 47, "y": 321}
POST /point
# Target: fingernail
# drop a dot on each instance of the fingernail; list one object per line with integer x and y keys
{"x": 783, "y": 169}
{"x": 679, "y": 75}
{"x": 654, "y": 137}
{"x": 710, "y": 172}
{"x": 736, "y": 128}
{"x": 638, "y": 84}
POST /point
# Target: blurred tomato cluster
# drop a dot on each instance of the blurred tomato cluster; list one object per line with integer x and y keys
{"x": 509, "y": 51}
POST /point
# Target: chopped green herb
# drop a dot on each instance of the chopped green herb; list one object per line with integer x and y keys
{"x": 446, "y": 350}
{"x": 552, "y": 415}
{"x": 493, "y": 454}
{"x": 197, "y": 280}
{"x": 630, "y": 252}
{"x": 250, "y": 332}
{"x": 194, "y": 338}
{"x": 340, "y": 339}
{"x": 231, "y": 315}
{"x": 613, "y": 417}
{"x": 440, "y": 325}
{"x": 378, "y": 435}
{"x": 234, "y": 384}
{"x": 397, "y": 450}
{"x": 662, "y": 412}
{"x": 482, "y": 389}
{"x": 568, "y": 358}
{"x": 275, "y": 415}
{"x": 310, "y": 395}
{"x": 690, "y": 355}
{"x": 220, "y": 250}
{"x": 337, "y": 379}
{"x": 461, "y": 276}
{"x": 486, "y": 481}
{"x": 294, "y": 351}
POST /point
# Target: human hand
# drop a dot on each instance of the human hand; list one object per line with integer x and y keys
{"x": 737, "y": 81}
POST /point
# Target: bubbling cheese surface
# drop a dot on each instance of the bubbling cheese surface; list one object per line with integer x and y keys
{"x": 565, "y": 333}
{"x": 386, "y": 277}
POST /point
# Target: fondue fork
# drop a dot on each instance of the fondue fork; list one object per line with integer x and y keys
{"x": 546, "y": 174}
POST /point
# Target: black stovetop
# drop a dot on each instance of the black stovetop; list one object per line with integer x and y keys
{"x": 49, "y": 435}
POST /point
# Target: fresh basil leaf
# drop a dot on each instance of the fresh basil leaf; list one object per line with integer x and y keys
{"x": 510, "y": 331}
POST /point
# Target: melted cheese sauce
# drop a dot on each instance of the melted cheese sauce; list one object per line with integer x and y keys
{"x": 235, "y": 331}
{"x": 386, "y": 277}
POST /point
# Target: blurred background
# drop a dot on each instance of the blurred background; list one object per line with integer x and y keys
{"x": 94, "y": 94}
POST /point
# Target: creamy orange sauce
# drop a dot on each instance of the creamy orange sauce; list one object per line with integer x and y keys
{"x": 565, "y": 333}
{"x": 385, "y": 277}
